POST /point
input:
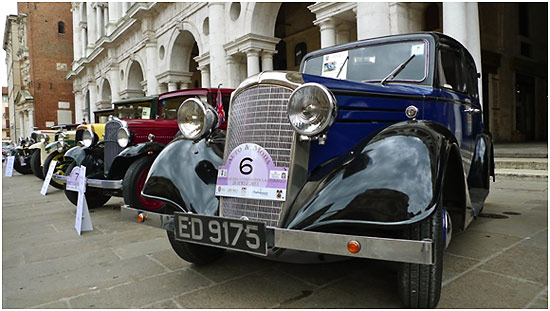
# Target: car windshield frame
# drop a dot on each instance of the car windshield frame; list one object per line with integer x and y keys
{"x": 143, "y": 114}
{"x": 347, "y": 61}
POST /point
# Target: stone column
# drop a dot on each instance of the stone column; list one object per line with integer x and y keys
{"x": 205, "y": 76}
{"x": 474, "y": 41}
{"x": 22, "y": 127}
{"x": 373, "y": 20}
{"x": 267, "y": 60}
{"x": 99, "y": 21}
{"x": 172, "y": 86}
{"x": 150, "y": 70}
{"x": 31, "y": 119}
{"x": 163, "y": 88}
{"x": 90, "y": 20}
{"x": 77, "y": 45}
{"x": 93, "y": 100}
{"x": 78, "y": 104}
{"x": 252, "y": 62}
{"x": 114, "y": 15}
{"x": 328, "y": 32}
{"x": 114, "y": 82}
{"x": 232, "y": 71}
{"x": 83, "y": 38}
{"x": 399, "y": 19}
{"x": 343, "y": 33}
{"x": 216, "y": 39}
{"x": 125, "y": 7}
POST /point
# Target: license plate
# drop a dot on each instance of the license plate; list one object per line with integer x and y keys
{"x": 242, "y": 235}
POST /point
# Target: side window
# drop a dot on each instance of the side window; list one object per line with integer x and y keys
{"x": 450, "y": 70}
{"x": 471, "y": 79}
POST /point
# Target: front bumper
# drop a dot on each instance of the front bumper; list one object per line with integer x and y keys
{"x": 419, "y": 252}
{"x": 95, "y": 183}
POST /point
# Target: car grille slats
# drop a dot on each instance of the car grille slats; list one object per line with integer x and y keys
{"x": 111, "y": 147}
{"x": 259, "y": 115}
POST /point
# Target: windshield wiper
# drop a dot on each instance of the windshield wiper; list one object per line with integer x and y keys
{"x": 342, "y": 67}
{"x": 397, "y": 70}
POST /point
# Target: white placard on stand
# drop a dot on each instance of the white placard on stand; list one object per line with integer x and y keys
{"x": 9, "y": 166}
{"x": 83, "y": 222}
{"x": 48, "y": 178}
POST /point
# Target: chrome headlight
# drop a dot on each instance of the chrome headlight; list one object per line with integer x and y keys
{"x": 60, "y": 145}
{"x": 88, "y": 138}
{"x": 123, "y": 137}
{"x": 311, "y": 109}
{"x": 196, "y": 118}
{"x": 44, "y": 138}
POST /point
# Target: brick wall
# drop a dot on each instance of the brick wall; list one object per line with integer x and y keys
{"x": 50, "y": 55}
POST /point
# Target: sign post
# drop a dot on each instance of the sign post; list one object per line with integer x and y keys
{"x": 9, "y": 166}
{"x": 83, "y": 222}
{"x": 48, "y": 178}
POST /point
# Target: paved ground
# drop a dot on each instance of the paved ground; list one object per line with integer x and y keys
{"x": 501, "y": 261}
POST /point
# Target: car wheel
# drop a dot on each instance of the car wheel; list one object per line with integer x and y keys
{"x": 420, "y": 285}
{"x": 61, "y": 166}
{"x": 21, "y": 169}
{"x": 133, "y": 183}
{"x": 35, "y": 164}
{"x": 195, "y": 253}
{"x": 94, "y": 197}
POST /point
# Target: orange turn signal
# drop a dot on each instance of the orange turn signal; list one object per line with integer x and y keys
{"x": 140, "y": 217}
{"x": 354, "y": 247}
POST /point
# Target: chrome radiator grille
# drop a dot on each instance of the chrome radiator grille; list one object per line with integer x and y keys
{"x": 111, "y": 148}
{"x": 259, "y": 115}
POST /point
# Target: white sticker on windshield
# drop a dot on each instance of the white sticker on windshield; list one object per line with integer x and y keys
{"x": 417, "y": 49}
{"x": 335, "y": 65}
{"x": 146, "y": 113}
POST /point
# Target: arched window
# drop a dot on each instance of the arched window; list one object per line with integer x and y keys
{"x": 60, "y": 27}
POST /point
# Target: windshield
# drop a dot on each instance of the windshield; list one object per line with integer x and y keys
{"x": 170, "y": 105}
{"x": 373, "y": 63}
{"x": 134, "y": 111}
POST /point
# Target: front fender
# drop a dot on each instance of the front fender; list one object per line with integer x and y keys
{"x": 184, "y": 174}
{"x": 128, "y": 155}
{"x": 51, "y": 146}
{"x": 392, "y": 179}
{"x": 38, "y": 145}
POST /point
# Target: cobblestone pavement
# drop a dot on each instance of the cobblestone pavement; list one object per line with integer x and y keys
{"x": 501, "y": 261}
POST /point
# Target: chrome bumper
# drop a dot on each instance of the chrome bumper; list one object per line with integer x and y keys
{"x": 419, "y": 252}
{"x": 104, "y": 184}
{"x": 95, "y": 183}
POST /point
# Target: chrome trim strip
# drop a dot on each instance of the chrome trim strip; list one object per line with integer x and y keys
{"x": 60, "y": 178}
{"x": 419, "y": 252}
{"x": 104, "y": 184}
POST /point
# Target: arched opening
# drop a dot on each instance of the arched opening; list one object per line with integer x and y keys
{"x": 135, "y": 81}
{"x": 432, "y": 18}
{"x": 294, "y": 26}
{"x": 60, "y": 27}
{"x": 183, "y": 67}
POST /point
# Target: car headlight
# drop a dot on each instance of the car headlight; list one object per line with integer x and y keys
{"x": 60, "y": 145}
{"x": 196, "y": 118}
{"x": 311, "y": 109}
{"x": 123, "y": 137}
{"x": 44, "y": 138}
{"x": 88, "y": 138}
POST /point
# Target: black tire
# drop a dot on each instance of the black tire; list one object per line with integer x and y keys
{"x": 94, "y": 197}
{"x": 62, "y": 164}
{"x": 133, "y": 182}
{"x": 21, "y": 169}
{"x": 420, "y": 285}
{"x": 35, "y": 164}
{"x": 195, "y": 253}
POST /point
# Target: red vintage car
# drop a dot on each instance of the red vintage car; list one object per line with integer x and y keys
{"x": 135, "y": 134}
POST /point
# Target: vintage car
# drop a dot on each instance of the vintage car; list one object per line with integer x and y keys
{"x": 64, "y": 142}
{"x": 373, "y": 150}
{"x": 38, "y": 150}
{"x": 135, "y": 135}
{"x": 22, "y": 155}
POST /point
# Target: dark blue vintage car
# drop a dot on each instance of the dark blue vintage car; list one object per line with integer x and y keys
{"x": 373, "y": 150}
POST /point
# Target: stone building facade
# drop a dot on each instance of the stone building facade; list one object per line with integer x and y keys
{"x": 5, "y": 114}
{"x": 131, "y": 49}
{"x": 39, "y": 43}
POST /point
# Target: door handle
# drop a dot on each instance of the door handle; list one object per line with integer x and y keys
{"x": 472, "y": 110}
